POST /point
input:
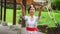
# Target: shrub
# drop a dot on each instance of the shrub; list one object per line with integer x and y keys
{"x": 56, "y": 4}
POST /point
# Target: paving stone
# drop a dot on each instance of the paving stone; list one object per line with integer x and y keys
{"x": 15, "y": 27}
{"x": 4, "y": 23}
{"x": 6, "y": 30}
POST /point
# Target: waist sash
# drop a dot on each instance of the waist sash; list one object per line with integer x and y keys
{"x": 31, "y": 29}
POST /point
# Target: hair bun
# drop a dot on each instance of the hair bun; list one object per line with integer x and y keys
{"x": 32, "y": 6}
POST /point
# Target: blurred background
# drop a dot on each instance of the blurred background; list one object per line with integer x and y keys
{"x": 45, "y": 19}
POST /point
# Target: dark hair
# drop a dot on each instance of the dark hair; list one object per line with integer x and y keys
{"x": 30, "y": 8}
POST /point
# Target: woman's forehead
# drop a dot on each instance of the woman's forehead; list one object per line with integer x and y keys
{"x": 32, "y": 8}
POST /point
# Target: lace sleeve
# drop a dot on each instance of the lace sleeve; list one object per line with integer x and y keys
{"x": 25, "y": 17}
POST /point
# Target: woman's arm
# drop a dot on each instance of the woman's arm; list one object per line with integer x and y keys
{"x": 23, "y": 10}
{"x": 39, "y": 14}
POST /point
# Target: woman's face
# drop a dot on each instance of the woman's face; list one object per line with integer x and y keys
{"x": 32, "y": 11}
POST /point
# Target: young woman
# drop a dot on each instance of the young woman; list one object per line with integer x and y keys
{"x": 31, "y": 20}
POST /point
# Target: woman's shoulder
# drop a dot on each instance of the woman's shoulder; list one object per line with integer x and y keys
{"x": 27, "y": 16}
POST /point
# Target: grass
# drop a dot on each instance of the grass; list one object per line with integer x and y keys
{"x": 45, "y": 19}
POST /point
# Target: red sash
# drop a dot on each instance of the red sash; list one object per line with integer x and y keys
{"x": 31, "y": 29}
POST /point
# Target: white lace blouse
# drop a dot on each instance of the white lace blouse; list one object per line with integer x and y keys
{"x": 30, "y": 23}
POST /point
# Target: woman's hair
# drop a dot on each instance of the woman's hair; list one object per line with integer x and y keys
{"x": 30, "y": 8}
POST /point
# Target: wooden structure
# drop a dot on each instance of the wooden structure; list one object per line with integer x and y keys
{"x": 14, "y": 12}
{"x": 1, "y": 9}
{"x": 5, "y": 2}
{"x": 0, "y": 12}
{"x": 23, "y": 4}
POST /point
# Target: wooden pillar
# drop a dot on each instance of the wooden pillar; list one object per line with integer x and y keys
{"x": 23, "y": 9}
{"x": 1, "y": 9}
{"x": 4, "y": 10}
{"x": 14, "y": 13}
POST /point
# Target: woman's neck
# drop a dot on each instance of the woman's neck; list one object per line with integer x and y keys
{"x": 31, "y": 16}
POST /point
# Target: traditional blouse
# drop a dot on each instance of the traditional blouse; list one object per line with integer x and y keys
{"x": 31, "y": 24}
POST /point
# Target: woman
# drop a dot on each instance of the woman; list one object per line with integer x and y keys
{"x": 31, "y": 20}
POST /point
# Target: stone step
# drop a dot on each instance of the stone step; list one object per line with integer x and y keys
{"x": 6, "y": 30}
{"x": 11, "y": 29}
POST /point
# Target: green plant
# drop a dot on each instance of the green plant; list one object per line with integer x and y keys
{"x": 56, "y": 4}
